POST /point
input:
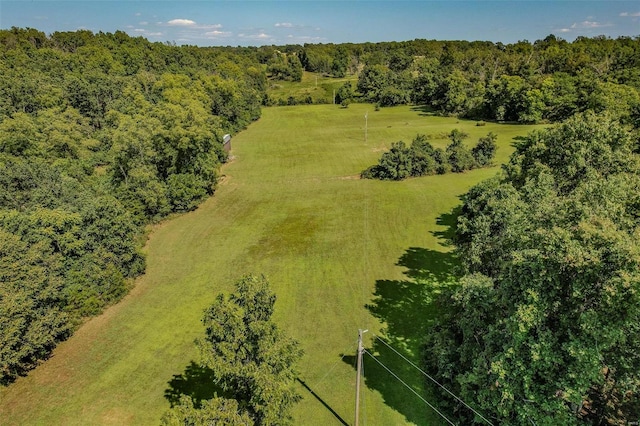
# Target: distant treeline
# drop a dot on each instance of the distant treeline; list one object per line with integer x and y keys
{"x": 550, "y": 79}
{"x": 100, "y": 134}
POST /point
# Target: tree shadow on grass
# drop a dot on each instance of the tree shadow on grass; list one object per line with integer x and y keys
{"x": 408, "y": 309}
{"x": 322, "y": 401}
{"x": 424, "y": 110}
{"x": 450, "y": 221}
{"x": 197, "y": 382}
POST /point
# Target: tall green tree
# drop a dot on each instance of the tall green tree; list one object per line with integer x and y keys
{"x": 485, "y": 150}
{"x": 252, "y": 359}
{"x": 340, "y": 62}
{"x": 31, "y": 318}
{"x": 459, "y": 157}
{"x": 544, "y": 328}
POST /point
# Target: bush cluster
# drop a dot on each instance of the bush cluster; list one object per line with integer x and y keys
{"x": 421, "y": 158}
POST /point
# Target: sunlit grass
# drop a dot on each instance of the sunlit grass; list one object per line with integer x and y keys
{"x": 291, "y": 207}
{"x": 320, "y": 88}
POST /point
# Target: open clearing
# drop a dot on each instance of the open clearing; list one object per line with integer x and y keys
{"x": 341, "y": 253}
{"x": 316, "y": 86}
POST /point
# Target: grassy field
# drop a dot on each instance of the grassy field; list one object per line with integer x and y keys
{"x": 341, "y": 254}
{"x": 319, "y": 87}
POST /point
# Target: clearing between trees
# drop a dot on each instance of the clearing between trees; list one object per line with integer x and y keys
{"x": 340, "y": 254}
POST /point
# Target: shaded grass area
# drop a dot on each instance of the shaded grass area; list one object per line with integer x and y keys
{"x": 341, "y": 254}
{"x": 196, "y": 382}
{"x": 406, "y": 308}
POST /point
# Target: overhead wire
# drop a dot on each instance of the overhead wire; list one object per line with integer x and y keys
{"x": 335, "y": 364}
{"x": 409, "y": 387}
{"x": 434, "y": 380}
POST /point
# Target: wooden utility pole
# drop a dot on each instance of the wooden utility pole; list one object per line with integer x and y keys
{"x": 366, "y": 120}
{"x": 359, "y": 372}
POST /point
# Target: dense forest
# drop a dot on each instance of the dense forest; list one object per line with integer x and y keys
{"x": 548, "y": 80}
{"x": 545, "y": 327}
{"x": 102, "y": 134}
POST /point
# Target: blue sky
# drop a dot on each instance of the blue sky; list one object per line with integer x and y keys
{"x": 255, "y": 23}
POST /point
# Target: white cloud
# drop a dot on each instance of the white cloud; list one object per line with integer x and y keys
{"x": 217, "y": 33}
{"x": 633, "y": 14}
{"x": 208, "y": 27}
{"x": 143, "y": 23}
{"x": 145, "y": 32}
{"x": 181, "y": 23}
{"x": 138, "y": 14}
{"x": 284, "y": 25}
{"x": 259, "y": 36}
{"x": 588, "y": 25}
{"x": 584, "y": 26}
{"x": 188, "y": 24}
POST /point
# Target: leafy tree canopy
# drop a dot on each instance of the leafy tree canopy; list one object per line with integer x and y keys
{"x": 544, "y": 328}
{"x": 100, "y": 134}
{"x": 252, "y": 359}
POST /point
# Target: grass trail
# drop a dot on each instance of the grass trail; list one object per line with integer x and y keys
{"x": 341, "y": 254}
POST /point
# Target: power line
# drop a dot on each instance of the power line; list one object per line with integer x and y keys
{"x": 409, "y": 387}
{"x": 335, "y": 364}
{"x": 434, "y": 380}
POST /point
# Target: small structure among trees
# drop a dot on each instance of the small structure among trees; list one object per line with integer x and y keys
{"x": 226, "y": 142}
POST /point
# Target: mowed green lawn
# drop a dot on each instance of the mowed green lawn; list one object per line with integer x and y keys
{"x": 319, "y": 87}
{"x": 341, "y": 254}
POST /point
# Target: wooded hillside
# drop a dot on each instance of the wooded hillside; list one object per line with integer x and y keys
{"x": 549, "y": 79}
{"x": 100, "y": 134}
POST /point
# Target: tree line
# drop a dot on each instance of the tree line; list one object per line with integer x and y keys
{"x": 543, "y": 328}
{"x": 100, "y": 134}
{"x": 547, "y": 80}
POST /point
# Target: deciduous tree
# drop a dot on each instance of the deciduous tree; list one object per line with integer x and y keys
{"x": 544, "y": 329}
{"x": 252, "y": 359}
